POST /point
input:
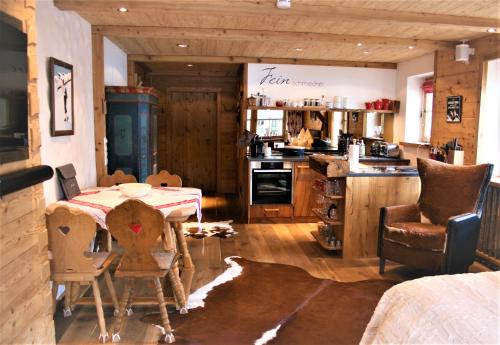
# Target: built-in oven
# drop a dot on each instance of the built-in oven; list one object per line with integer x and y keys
{"x": 271, "y": 182}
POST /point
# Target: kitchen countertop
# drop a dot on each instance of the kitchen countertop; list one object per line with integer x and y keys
{"x": 367, "y": 171}
{"x": 321, "y": 164}
{"x": 365, "y": 159}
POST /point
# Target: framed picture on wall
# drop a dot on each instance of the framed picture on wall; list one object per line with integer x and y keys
{"x": 453, "y": 108}
{"x": 62, "y": 119}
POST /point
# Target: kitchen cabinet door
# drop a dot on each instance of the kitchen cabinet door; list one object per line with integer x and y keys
{"x": 303, "y": 193}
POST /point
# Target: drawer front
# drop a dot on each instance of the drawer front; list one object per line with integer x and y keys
{"x": 271, "y": 211}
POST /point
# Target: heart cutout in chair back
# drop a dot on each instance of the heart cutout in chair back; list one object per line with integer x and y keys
{"x": 135, "y": 227}
{"x": 64, "y": 229}
{"x": 164, "y": 184}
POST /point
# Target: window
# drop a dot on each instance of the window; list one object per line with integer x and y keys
{"x": 269, "y": 123}
{"x": 488, "y": 141}
{"x": 418, "y": 119}
{"x": 426, "y": 118}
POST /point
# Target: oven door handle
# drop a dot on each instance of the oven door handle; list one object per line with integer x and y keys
{"x": 272, "y": 170}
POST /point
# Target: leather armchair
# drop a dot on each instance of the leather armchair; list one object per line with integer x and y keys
{"x": 441, "y": 231}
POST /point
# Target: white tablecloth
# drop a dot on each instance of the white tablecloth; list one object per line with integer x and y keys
{"x": 99, "y": 201}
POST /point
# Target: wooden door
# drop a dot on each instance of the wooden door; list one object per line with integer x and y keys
{"x": 192, "y": 138}
{"x": 303, "y": 194}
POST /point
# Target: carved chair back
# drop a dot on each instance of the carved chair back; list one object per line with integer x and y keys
{"x": 136, "y": 226}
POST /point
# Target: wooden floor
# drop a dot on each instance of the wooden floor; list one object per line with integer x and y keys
{"x": 276, "y": 243}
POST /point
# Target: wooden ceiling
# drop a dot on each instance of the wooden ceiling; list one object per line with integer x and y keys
{"x": 312, "y": 31}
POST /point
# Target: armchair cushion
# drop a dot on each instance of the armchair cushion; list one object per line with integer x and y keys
{"x": 449, "y": 190}
{"x": 402, "y": 213}
{"x": 416, "y": 235}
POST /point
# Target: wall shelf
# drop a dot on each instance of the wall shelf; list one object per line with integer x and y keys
{"x": 290, "y": 108}
{"x": 323, "y": 108}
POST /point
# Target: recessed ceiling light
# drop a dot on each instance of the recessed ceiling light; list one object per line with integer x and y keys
{"x": 366, "y": 52}
{"x": 298, "y": 49}
{"x": 359, "y": 44}
{"x": 189, "y": 65}
{"x": 122, "y": 9}
{"x": 411, "y": 47}
{"x": 182, "y": 45}
{"x": 491, "y": 30}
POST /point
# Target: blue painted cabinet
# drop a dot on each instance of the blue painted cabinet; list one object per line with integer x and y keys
{"x": 131, "y": 130}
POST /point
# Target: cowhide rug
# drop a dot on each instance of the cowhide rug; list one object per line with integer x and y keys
{"x": 220, "y": 229}
{"x": 260, "y": 303}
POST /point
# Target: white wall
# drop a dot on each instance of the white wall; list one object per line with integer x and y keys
{"x": 115, "y": 65}
{"x": 357, "y": 84}
{"x": 67, "y": 37}
{"x": 407, "y": 69}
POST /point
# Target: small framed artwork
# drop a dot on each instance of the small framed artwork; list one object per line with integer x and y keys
{"x": 62, "y": 120}
{"x": 454, "y": 109}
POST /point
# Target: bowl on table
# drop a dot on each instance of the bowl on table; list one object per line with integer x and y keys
{"x": 134, "y": 190}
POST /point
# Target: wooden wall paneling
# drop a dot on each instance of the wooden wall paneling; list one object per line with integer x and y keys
{"x": 364, "y": 198}
{"x": 99, "y": 103}
{"x": 223, "y": 80}
{"x": 26, "y": 303}
{"x": 453, "y": 78}
{"x": 194, "y": 142}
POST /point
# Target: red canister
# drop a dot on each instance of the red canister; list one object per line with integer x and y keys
{"x": 377, "y": 104}
{"x": 368, "y": 105}
{"x": 385, "y": 103}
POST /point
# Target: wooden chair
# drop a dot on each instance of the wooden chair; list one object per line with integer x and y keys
{"x": 164, "y": 179}
{"x": 70, "y": 233}
{"x": 117, "y": 178}
{"x": 174, "y": 225}
{"x": 137, "y": 227}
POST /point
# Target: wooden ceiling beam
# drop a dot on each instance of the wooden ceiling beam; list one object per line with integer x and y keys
{"x": 261, "y": 36}
{"x": 248, "y": 59}
{"x": 324, "y": 11}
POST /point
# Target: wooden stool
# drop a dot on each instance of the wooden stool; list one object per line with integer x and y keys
{"x": 70, "y": 233}
{"x": 137, "y": 227}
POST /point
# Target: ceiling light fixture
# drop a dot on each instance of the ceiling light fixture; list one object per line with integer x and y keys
{"x": 359, "y": 44}
{"x": 299, "y": 49}
{"x": 182, "y": 45}
{"x": 491, "y": 30}
{"x": 366, "y": 52}
{"x": 189, "y": 65}
{"x": 122, "y": 9}
{"x": 283, "y": 4}
{"x": 411, "y": 47}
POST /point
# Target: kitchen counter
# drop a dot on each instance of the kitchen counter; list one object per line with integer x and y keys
{"x": 364, "y": 170}
{"x": 321, "y": 164}
{"x": 278, "y": 158}
{"x": 365, "y": 160}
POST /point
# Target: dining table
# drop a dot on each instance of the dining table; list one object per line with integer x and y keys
{"x": 177, "y": 204}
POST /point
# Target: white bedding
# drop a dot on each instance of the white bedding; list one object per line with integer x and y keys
{"x": 448, "y": 309}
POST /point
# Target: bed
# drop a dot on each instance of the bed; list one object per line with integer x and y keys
{"x": 462, "y": 308}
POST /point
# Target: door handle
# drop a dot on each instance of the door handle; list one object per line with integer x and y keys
{"x": 302, "y": 166}
{"x": 271, "y": 210}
